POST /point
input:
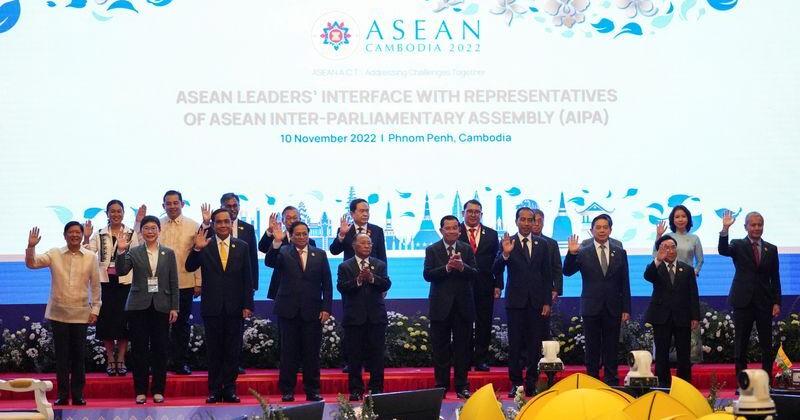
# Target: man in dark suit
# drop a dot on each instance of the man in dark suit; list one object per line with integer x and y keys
{"x": 605, "y": 295}
{"x": 528, "y": 298}
{"x": 450, "y": 268}
{"x": 244, "y": 231}
{"x": 289, "y": 215}
{"x": 674, "y": 308}
{"x": 227, "y": 298}
{"x": 756, "y": 288}
{"x": 555, "y": 266}
{"x": 302, "y": 304}
{"x": 484, "y": 244}
{"x": 362, "y": 281}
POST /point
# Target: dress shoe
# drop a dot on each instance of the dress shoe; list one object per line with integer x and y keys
{"x": 78, "y": 401}
{"x": 230, "y": 398}
{"x": 356, "y": 396}
{"x": 313, "y": 397}
{"x": 346, "y": 369}
{"x": 213, "y": 399}
{"x": 183, "y": 370}
{"x": 242, "y": 371}
{"x": 141, "y": 398}
{"x": 122, "y": 370}
{"x": 482, "y": 367}
{"x": 463, "y": 394}
{"x": 158, "y": 398}
{"x": 287, "y": 397}
{"x": 512, "y": 393}
{"x": 61, "y": 401}
{"x": 375, "y": 391}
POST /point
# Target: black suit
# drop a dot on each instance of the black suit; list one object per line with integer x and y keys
{"x": 452, "y": 312}
{"x": 346, "y": 245}
{"x": 302, "y": 294}
{"x": 557, "y": 277}
{"x": 754, "y": 290}
{"x": 246, "y": 232}
{"x": 528, "y": 289}
{"x": 603, "y": 300}
{"x": 264, "y": 245}
{"x": 225, "y": 294}
{"x": 364, "y": 321}
{"x": 673, "y": 306}
{"x": 483, "y": 288}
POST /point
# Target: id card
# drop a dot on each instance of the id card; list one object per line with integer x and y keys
{"x": 152, "y": 284}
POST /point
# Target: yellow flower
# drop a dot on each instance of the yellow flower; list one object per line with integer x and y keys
{"x": 405, "y": 346}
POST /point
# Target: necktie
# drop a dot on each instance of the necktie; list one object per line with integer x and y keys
{"x": 671, "y": 269}
{"x": 360, "y": 230}
{"x": 223, "y": 254}
{"x": 603, "y": 259}
{"x": 450, "y": 251}
{"x": 302, "y": 253}
{"x": 364, "y": 264}
{"x": 472, "y": 243}
{"x": 756, "y": 253}
{"x": 525, "y": 249}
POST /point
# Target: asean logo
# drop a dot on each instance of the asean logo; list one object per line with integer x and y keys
{"x": 335, "y": 34}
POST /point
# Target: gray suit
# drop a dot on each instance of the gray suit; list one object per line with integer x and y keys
{"x": 148, "y": 314}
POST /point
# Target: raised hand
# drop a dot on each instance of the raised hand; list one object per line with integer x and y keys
{"x": 344, "y": 225}
{"x": 277, "y": 231}
{"x": 507, "y": 244}
{"x": 34, "y": 237}
{"x": 661, "y": 253}
{"x": 87, "y": 231}
{"x": 573, "y": 244}
{"x": 273, "y": 220}
{"x": 727, "y": 220}
{"x": 205, "y": 209}
{"x": 140, "y": 214}
{"x": 661, "y": 228}
{"x": 200, "y": 240}
{"x": 122, "y": 242}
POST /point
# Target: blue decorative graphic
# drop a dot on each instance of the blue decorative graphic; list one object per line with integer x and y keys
{"x": 100, "y": 17}
{"x": 159, "y": 3}
{"x": 686, "y": 6}
{"x": 663, "y": 21}
{"x": 407, "y": 214}
{"x": 585, "y": 191}
{"x": 656, "y": 206}
{"x": 471, "y": 9}
{"x": 318, "y": 195}
{"x": 631, "y": 192}
{"x": 609, "y": 194}
{"x": 487, "y": 189}
{"x": 723, "y": 5}
{"x": 51, "y": 3}
{"x": 186, "y": 202}
{"x": 629, "y": 235}
{"x": 243, "y": 197}
{"x": 533, "y": 9}
{"x": 335, "y": 34}
{"x": 64, "y": 214}
{"x": 78, "y": 4}
{"x": 122, "y": 4}
{"x": 404, "y": 194}
{"x": 373, "y": 198}
{"x": 721, "y": 212}
{"x": 654, "y": 220}
{"x": 638, "y": 215}
{"x": 577, "y": 200}
{"x": 91, "y": 212}
{"x": 513, "y": 191}
{"x": 604, "y": 26}
{"x": 676, "y": 200}
{"x": 697, "y": 221}
{"x": 632, "y": 28}
{"x": 270, "y": 199}
{"x": 9, "y": 15}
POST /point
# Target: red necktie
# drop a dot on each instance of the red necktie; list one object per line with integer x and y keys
{"x": 472, "y": 243}
{"x": 756, "y": 253}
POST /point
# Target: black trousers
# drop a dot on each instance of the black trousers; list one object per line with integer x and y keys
{"x": 602, "y": 338}
{"x": 69, "y": 341}
{"x": 367, "y": 347}
{"x": 223, "y": 351}
{"x": 524, "y": 344}
{"x": 484, "y": 311}
{"x": 300, "y": 343}
{"x": 450, "y": 341}
{"x": 149, "y": 334}
{"x": 179, "y": 333}
{"x": 743, "y": 319}
{"x": 662, "y": 337}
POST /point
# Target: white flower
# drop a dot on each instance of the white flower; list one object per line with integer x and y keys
{"x": 634, "y": 7}
{"x": 708, "y": 313}
{"x": 719, "y": 332}
{"x": 508, "y": 9}
{"x": 444, "y": 4}
{"x": 706, "y": 349}
{"x": 714, "y": 318}
{"x": 566, "y": 12}
{"x": 32, "y": 336}
{"x": 32, "y": 353}
{"x": 26, "y": 318}
{"x": 719, "y": 348}
{"x": 332, "y": 340}
{"x": 423, "y": 347}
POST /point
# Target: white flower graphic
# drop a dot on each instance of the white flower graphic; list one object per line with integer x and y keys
{"x": 444, "y": 4}
{"x": 634, "y": 7}
{"x": 508, "y": 9}
{"x": 566, "y": 12}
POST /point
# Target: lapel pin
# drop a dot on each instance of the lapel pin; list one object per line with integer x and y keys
{"x": 483, "y": 232}
{"x": 313, "y": 254}
{"x": 680, "y": 269}
{"x": 163, "y": 253}
{"x": 241, "y": 227}
{"x": 372, "y": 267}
{"x": 536, "y": 242}
{"x": 233, "y": 245}
{"x": 612, "y": 254}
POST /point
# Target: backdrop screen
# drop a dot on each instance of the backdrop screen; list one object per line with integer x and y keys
{"x": 575, "y": 107}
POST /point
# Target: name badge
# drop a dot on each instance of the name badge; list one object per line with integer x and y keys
{"x": 152, "y": 284}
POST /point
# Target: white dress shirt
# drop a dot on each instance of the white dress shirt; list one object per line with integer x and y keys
{"x": 607, "y": 250}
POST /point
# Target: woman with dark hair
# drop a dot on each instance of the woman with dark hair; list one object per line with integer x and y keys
{"x": 690, "y": 250}
{"x": 112, "y": 325}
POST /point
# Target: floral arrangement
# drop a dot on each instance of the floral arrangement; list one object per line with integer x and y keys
{"x": 330, "y": 353}
{"x": 407, "y": 340}
{"x": 261, "y": 343}
{"x": 348, "y": 412}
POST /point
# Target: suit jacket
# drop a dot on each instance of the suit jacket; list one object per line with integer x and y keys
{"x": 139, "y": 298}
{"x": 246, "y": 232}
{"x": 266, "y": 244}
{"x": 555, "y": 264}
{"x": 680, "y": 300}
{"x": 363, "y": 304}
{"x": 529, "y": 277}
{"x": 488, "y": 246}
{"x": 228, "y": 291}
{"x": 346, "y": 245}
{"x": 612, "y": 291}
{"x": 757, "y": 284}
{"x": 453, "y": 289}
{"x": 303, "y": 293}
